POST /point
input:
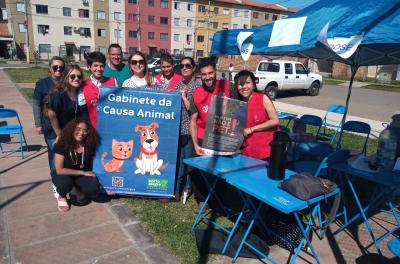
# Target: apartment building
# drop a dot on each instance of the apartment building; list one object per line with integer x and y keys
{"x": 183, "y": 27}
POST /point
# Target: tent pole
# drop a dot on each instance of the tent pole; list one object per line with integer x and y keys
{"x": 354, "y": 69}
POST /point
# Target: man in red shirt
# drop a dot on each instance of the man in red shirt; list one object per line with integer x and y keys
{"x": 200, "y": 103}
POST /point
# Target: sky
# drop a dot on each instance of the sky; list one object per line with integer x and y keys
{"x": 290, "y": 3}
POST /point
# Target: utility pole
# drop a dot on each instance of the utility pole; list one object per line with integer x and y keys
{"x": 208, "y": 25}
{"x": 139, "y": 31}
{"x": 28, "y": 59}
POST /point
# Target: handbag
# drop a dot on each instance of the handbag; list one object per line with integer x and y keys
{"x": 306, "y": 186}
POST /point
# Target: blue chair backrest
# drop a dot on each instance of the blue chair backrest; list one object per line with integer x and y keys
{"x": 336, "y": 108}
{"x": 357, "y": 127}
{"x": 312, "y": 120}
{"x": 7, "y": 113}
{"x": 338, "y": 156}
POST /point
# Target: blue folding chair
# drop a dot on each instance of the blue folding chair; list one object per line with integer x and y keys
{"x": 394, "y": 246}
{"x": 11, "y": 129}
{"x": 359, "y": 128}
{"x": 332, "y": 110}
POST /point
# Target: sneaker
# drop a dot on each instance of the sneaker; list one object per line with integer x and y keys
{"x": 55, "y": 193}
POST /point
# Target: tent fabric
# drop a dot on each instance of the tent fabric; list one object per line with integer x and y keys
{"x": 377, "y": 22}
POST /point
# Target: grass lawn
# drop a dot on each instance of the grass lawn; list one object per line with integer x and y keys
{"x": 333, "y": 81}
{"x": 31, "y": 75}
{"x": 381, "y": 87}
{"x": 27, "y": 75}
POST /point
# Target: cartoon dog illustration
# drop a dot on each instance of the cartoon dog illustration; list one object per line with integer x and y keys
{"x": 148, "y": 158}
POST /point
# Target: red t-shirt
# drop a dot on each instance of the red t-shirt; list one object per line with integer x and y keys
{"x": 92, "y": 95}
{"x": 256, "y": 145}
{"x": 202, "y": 98}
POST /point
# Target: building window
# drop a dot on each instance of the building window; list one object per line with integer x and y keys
{"x": 225, "y": 25}
{"x": 201, "y": 24}
{"x": 266, "y": 16}
{"x": 152, "y": 19}
{"x": 132, "y": 1}
{"x": 190, "y": 7}
{"x": 255, "y": 15}
{"x": 199, "y": 53}
{"x": 117, "y": 16}
{"x": 163, "y": 36}
{"x": 21, "y": 27}
{"x": 176, "y": 37}
{"x": 200, "y": 38}
{"x": 202, "y": 8}
{"x": 215, "y": 25}
{"x": 216, "y": 10}
{"x": 151, "y": 2}
{"x": 44, "y": 48}
{"x": 117, "y": 1}
{"x": 132, "y": 50}
{"x": 85, "y": 32}
{"x": 83, "y": 13}
{"x": 42, "y": 9}
{"x": 176, "y": 21}
{"x": 66, "y": 11}
{"x": 164, "y": 3}
{"x": 150, "y": 35}
{"x": 177, "y": 51}
{"x": 235, "y": 26}
{"x": 274, "y": 17}
{"x": 177, "y": 5}
{"x": 164, "y": 20}
{"x": 67, "y": 30}
{"x": 102, "y": 49}
{"x": 190, "y": 23}
{"x": 235, "y": 12}
{"x": 4, "y": 14}
{"x": 101, "y": 32}
{"x": 101, "y": 15}
{"x": 132, "y": 34}
{"x": 131, "y": 17}
{"x": 245, "y": 26}
{"x": 21, "y": 7}
{"x": 43, "y": 29}
{"x": 225, "y": 11}
{"x": 189, "y": 38}
{"x": 117, "y": 33}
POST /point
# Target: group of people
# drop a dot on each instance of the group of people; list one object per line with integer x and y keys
{"x": 65, "y": 112}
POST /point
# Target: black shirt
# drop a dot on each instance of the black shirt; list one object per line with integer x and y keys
{"x": 73, "y": 160}
{"x": 66, "y": 109}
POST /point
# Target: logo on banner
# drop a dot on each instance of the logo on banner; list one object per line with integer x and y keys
{"x": 246, "y": 48}
{"x": 205, "y": 108}
{"x": 344, "y": 47}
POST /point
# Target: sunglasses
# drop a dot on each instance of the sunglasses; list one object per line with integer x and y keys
{"x": 135, "y": 62}
{"x": 187, "y": 66}
{"x": 57, "y": 68}
{"x": 75, "y": 77}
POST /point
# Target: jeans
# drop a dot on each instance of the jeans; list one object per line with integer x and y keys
{"x": 88, "y": 185}
{"x": 50, "y": 154}
{"x": 186, "y": 150}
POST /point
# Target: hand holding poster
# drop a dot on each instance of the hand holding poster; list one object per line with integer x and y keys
{"x": 225, "y": 124}
{"x": 139, "y": 132}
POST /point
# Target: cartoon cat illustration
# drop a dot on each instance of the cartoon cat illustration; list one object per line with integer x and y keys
{"x": 120, "y": 151}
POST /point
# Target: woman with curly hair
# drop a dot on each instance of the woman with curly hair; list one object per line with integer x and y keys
{"x": 74, "y": 160}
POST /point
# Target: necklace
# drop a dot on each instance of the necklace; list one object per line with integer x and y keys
{"x": 75, "y": 160}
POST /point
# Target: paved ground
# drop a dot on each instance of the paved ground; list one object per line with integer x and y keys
{"x": 33, "y": 231}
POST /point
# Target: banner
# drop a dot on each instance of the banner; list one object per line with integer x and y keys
{"x": 139, "y": 132}
{"x": 225, "y": 124}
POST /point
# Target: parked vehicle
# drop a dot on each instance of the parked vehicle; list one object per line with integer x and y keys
{"x": 154, "y": 62}
{"x": 280, "y": 75}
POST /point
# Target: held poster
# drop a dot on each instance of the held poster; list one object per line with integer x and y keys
{"x": 139, "y": 130}
{"x": 225, "y": 124}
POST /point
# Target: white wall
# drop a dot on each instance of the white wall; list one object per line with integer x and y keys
{"x": 183, "y": 14}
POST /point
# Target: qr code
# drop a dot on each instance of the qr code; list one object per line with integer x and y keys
{"x": 117, "y": 182}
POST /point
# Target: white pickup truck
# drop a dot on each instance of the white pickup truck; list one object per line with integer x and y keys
{"x": 279, "y": 75}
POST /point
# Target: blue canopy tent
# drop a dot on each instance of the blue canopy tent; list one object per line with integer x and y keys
{"x": 356, "y": 32}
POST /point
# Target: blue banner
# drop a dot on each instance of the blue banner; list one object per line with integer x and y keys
{"x": 139, "y": 132}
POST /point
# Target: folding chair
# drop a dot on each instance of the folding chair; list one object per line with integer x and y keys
{"x": 394, "y": 246}
{"x": 359, "y": 128}
{"x": 332, "y": 110}
{"x": 12, "y": 129}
